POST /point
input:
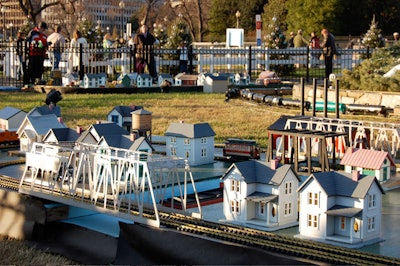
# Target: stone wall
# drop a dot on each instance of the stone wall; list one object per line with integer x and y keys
{"x": 387, "y": 99}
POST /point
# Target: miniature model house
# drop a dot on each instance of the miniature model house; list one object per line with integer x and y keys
{"x": 34, "y": 128}
{"x": 94, "y": 80}
{"x": 45, "y": 110}
{"x": 262, "y": 195}
{"x": 144, "y": 80}
{"x": 369, "y": 162}
{"x": 215, "y": 83}
{"x": 183, "y": 79}
{"x": 165, "y": 77}
{"x": 241, "y": 79}
{"x": 11, "y": 118}
{"x": 61, "y": 136}
{"x": 94, "y": 133}
{"x": 342, "y": 208}
{"x": 128, "y": 80}
{"x": 194, "y": 142}
{"x": 126, "y": 142}
{"x": 121, "y": 115}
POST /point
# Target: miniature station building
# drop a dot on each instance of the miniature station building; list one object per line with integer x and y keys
{"x": 260, "y": 194}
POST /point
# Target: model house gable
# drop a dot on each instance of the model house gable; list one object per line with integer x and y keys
{"x": 45, "y": 110}
{"x": 144, "y": 80}
{"x": 121, "y": 115}
{"x": 165, "y": 77}
{"x": 95, "y": 131}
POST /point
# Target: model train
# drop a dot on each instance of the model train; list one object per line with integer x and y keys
{"x": 241, "y": 149}
{"x": 246, "y": 94}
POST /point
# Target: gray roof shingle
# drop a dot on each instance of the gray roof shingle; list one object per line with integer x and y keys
{"x": 190, "y": 130}
{"x": 8, "y": 112}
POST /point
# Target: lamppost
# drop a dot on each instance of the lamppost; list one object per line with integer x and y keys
{"x": 237, "y": 18}
{"x": 3, "y": 11}
{"x": 122, "y": 7}
{"x": 11, "y": 30}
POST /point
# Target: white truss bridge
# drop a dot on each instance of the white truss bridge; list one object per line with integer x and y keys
{"x": 118, "y": 182}
{"x": 373, "y": 135}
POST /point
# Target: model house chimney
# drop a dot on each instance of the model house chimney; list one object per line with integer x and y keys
{"x": 98, "y": 122}
{"x": 133, "y": 136}
{"x": 79, "y": 130}
{"x": 355, "y": 176}
{"x": 274, "y": 164}
{"x": 60, "y": 120}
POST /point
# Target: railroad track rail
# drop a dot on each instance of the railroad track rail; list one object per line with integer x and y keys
{"x": 305, "y": 249}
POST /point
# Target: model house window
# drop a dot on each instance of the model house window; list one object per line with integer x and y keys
{"x": 203, "y": 140}
{"x": 115, "y": 119}
{"x": 187, "y": 154}
{"x": 173, "y": 140}
{"x": 186, "y": 141}
{"x": 288, "y": 188}
{"x": 313, "y": 198}
{"x": 173, "y": 150}
{"x": 204, "y": 152}
{"x": 288, "y": 208}
{"x": 235, "y": 206}
{"x": 235, "y": 185}
{"x": 312, "y": 221}
{"x": 371, "y": 223}
{"x": 343, "y": 223}
{"x": 371, "y": 201}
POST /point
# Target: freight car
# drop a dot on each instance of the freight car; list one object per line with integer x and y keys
{"x": 367, "y": 109}
{"x": 241, "y": 149}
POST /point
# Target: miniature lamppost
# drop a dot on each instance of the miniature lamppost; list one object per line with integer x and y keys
{"x": 122, "y": 7}
{"x": 237, "y": 18}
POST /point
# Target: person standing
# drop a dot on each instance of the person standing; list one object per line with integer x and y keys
{"x": 144, "y": 41}
{"x": 314, "y": 41}
{"x": 299, "y": 40}
{"x": 37, "y": 40}
{"x": 328, "y": 46}
{"x": 291, "y": 39}
{"x": 74, "y": 55}
{"x": 183, "y": 57}
{"x": 56, "y": 42}
{"x": 20, "y": 53}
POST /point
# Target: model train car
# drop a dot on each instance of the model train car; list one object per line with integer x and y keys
{"x": 8, "y": 137}
{"x": 241, "y": 149}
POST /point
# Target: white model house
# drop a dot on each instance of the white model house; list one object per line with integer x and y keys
{"x": 369, "y": 162}
{"x": 144, "y": 80}
{"x": 164, "y": 77}
{"x": 126, "y": 142}
{"x": 194, "y": 142}
{"x": 340, "y": 208}
{"x": 34, "y": 128}
{"x": 11, "y": 118}
{"x": 94, "y": 80}
{"x": 121, "y": 115}
{"x": 214, "y": 82}
{"x": 256, "y": 193}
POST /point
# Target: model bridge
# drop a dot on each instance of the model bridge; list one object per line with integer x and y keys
{"x": 118, "y": 182}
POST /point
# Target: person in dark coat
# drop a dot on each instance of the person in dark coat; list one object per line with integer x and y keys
{"x": 328, "y": 46}
{"x": 144, "y": 42}
{"x": 37, "y": 41}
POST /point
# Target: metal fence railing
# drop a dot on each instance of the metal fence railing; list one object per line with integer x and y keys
{"x": 290, "y": 64}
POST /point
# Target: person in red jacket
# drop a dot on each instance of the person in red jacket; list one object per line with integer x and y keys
{"x": 37, "y": 41}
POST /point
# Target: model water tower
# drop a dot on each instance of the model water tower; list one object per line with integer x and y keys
{"x": 141, "y": 123}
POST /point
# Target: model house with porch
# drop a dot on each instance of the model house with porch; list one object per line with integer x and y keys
{"x": 121, "y": 115}
{"x": 261, "y": 194}
{"x": 34, "y": 128}
{"x": 194, "y": 142}
{"x": 369, "y": 162}
{"x": 340, "y": 208}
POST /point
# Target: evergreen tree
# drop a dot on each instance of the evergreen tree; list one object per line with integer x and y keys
{"x": 274, "y": 36}
{"x": 373, "y": 37}
{"x": 89, "y": 32}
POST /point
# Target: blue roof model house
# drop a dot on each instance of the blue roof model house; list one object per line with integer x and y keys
{"x": 194, "y": 142}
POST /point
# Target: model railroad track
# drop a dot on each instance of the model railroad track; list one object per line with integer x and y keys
{"x": 245, "y": 236}
{"x": 275, "y": 243}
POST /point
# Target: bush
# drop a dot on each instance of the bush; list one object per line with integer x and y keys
{"x": 369, "y": 74}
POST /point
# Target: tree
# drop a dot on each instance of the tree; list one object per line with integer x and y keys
{"x": 373, "y": 37}
{"x": 274, "y": 12}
